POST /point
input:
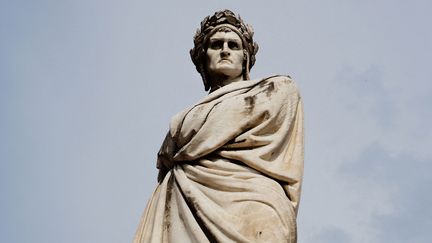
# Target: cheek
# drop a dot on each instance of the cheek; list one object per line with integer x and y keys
{"x": 239, "y": 58}
{"x": 211, "y": 56}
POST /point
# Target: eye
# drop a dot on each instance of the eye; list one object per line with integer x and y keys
{"x": 233, "y": 45}
{"x": 216, "y": 44}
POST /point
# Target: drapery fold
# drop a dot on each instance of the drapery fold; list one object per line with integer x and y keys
{"x": 231, "y": 168}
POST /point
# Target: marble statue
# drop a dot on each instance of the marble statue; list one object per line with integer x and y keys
{"x": 231, "y": 166}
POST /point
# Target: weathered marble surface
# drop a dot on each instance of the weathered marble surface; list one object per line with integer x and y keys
{"x": 237, "y": 166}
{"x": 231, "y": 166}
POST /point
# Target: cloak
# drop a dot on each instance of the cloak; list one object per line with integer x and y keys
{"x": 230, "y": 168}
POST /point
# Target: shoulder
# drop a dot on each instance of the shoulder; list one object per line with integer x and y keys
{"x": 280, "y": 83}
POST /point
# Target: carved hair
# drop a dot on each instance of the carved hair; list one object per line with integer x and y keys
{"x": 220, "y": 21}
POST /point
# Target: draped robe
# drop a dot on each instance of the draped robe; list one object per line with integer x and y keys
{"x": 230, "y": 168}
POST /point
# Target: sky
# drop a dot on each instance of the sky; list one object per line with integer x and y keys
{"x": 87, "y": 89}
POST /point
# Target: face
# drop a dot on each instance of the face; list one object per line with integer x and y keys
{"x": 225, "y": 55}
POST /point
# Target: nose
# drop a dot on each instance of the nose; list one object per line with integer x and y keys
{"x": 225, "y": 51}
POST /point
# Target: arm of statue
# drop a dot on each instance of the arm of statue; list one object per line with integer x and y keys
{"x": 165, "y": 156}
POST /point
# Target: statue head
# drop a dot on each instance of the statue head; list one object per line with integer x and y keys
{"x": 229, "y": 27}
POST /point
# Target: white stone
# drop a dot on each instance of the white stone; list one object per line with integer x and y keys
{"x": 230, "y": 166}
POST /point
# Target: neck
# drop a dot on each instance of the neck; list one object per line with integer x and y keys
{"x": 231, "y": 80}
{"x": 218, "y": 82}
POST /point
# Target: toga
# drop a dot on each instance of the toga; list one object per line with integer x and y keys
{"x": 230, "y": 168}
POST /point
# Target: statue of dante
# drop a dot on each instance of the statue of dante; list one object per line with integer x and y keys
{"x": 231, "y": 166}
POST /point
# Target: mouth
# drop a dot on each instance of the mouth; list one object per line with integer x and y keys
{"x": 225, "y": 60}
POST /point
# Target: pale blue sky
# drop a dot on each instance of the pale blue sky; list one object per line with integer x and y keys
{"x": 87, "y": 89}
